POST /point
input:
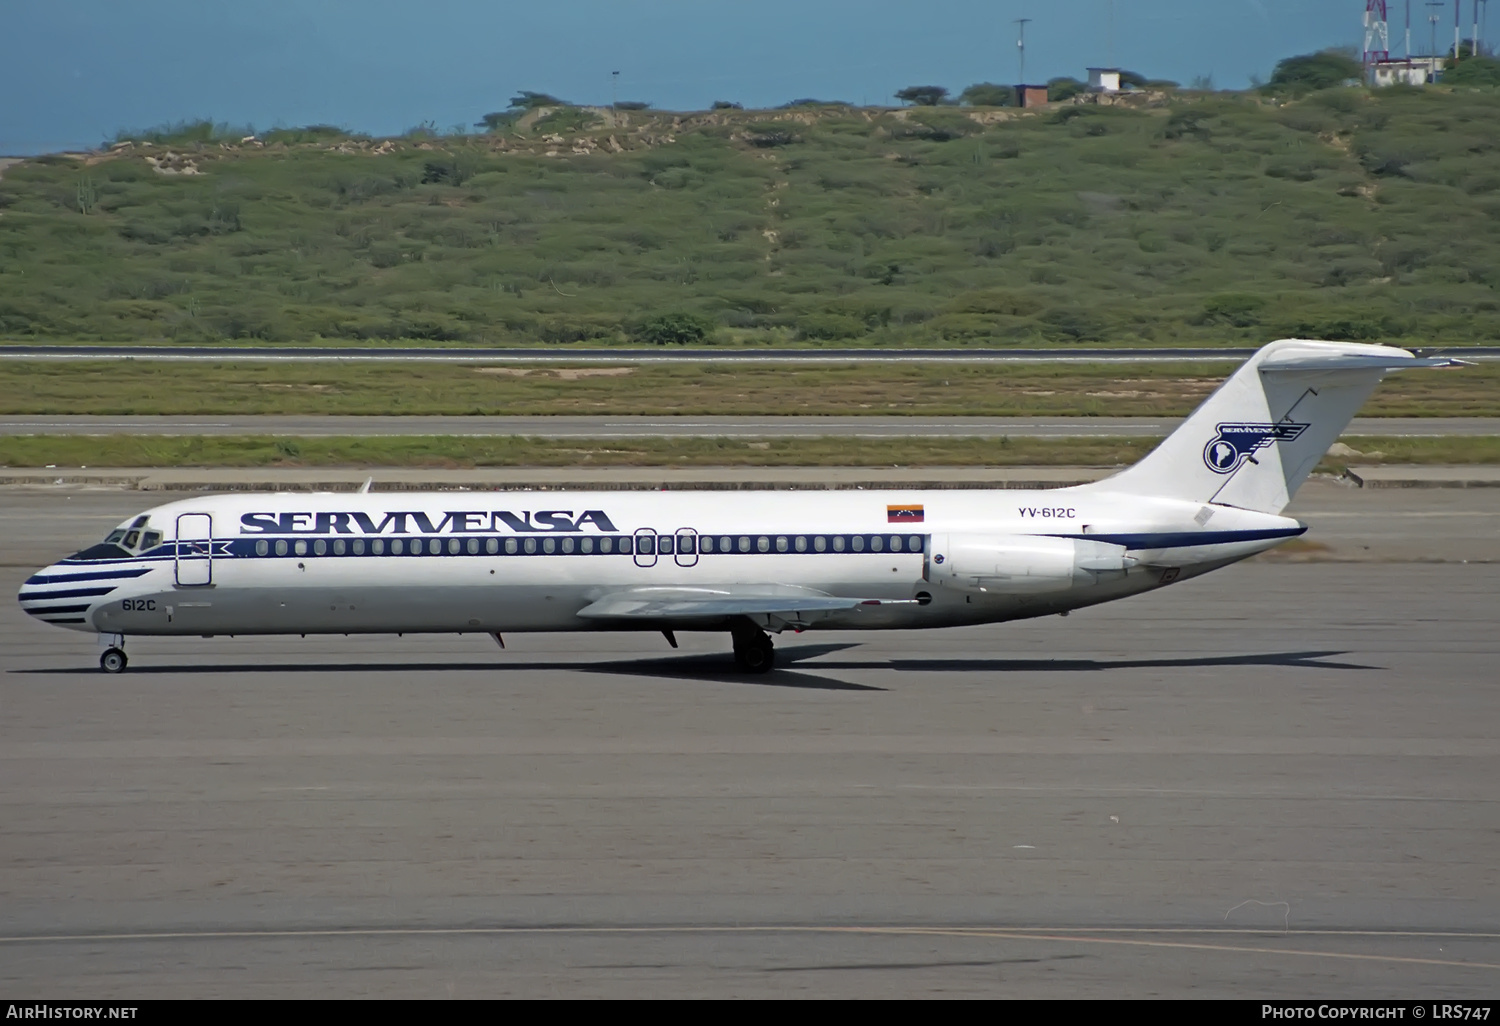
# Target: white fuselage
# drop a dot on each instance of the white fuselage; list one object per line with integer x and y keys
{"x": 297, "y": 563}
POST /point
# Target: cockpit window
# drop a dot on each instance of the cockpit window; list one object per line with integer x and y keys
{"x": 151, "y": 539}
{"x": 116, "y": 545}
{"x": 104, "y": 550}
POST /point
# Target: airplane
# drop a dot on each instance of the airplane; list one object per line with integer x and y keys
{"x": 749, "y": 563}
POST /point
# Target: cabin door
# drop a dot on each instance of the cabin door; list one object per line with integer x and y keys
{"x": 195, "y": 556}
{"x": 687, "y": 547}
{"x": 645, "y": 547}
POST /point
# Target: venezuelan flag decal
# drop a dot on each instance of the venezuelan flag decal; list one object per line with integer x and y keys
{"x": 903, "y": 514}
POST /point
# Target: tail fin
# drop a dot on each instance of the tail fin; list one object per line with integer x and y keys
{"x": 1257, "y": 438}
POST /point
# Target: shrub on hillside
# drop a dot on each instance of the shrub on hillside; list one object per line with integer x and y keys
{"x": 935, "y": 125}
{"x": 186, "y": 133}
{"x": 15, "y": 319}
{"x": 307, "y": 134}
{"x": 1335, "y": 328}
{"x": 922, "y": 96}
{"x": 1064, "y": 88}
{"x": 1187, "y": 124}
{"x": 1236, "y": 309}
{"x": 1476, "y": 71}
{"x": 574, "y": 329}
{"x": 429, "y": 327}
{"x": 679, "y": 328}
{"x": 1310, "y": 71}
{"x": 1073, "y": 323}
{"x": 829, "y": 326}
{"x": 566, "y": 119}
{"x": 988, "y": 94}
{"x": 766, "y": 136}
{"x": 497, "y": 121}
{"x": 444, "y": 172}
{"x": 528, "y": 100}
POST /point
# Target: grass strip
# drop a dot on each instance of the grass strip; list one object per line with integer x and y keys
{"x": 125, "y": 387}
{"x": 449, "y": 452}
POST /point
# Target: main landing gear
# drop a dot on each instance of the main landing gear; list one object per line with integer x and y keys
{"x": 752, "y": 648}
{"x": 113, "y": 660}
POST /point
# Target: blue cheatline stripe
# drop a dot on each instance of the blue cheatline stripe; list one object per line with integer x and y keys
{"x": 109, "y": 575}
{"x": 1186, "y": 539}
{"x": 70, "y": 561}
{"x": 52, "y": 610}
{"x": 709, "y": 545}
{"x": 35, "y": 594}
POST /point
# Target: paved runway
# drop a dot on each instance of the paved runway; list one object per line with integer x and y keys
{"x": 1277, "y": 781}
{"x": 476, "y": 354}
{"x": 693, "y": 427}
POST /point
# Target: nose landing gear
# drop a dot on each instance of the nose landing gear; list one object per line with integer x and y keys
{"x": 753, "y": 649}
{"x": 113, "y": 659}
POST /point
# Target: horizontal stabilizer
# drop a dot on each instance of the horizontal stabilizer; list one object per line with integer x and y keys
{"x": 1356, "y": 361}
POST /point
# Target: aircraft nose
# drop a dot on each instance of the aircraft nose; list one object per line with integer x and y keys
{"x": 52, "y": 601}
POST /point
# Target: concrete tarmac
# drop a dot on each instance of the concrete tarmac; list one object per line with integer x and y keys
{"x": 691, "y": 427}
{"x": 1273, "y": 782}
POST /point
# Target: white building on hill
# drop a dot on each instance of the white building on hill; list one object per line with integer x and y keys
{"x": 1104, "y": 80}
{"x": 1411, "y": 71}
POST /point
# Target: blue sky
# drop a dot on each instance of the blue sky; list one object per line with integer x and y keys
{"x": 73, "y": 72}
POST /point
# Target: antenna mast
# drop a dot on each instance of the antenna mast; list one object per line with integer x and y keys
{"x": 1110, "y": 49}
{"x": 1021, "y": 46}
{"x": 1377, "y": 36}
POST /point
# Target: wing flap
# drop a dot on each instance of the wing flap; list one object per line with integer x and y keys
{"x": 781, "y": 601}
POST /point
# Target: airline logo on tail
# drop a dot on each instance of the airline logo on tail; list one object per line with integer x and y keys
{"x": 1227, "y": 451}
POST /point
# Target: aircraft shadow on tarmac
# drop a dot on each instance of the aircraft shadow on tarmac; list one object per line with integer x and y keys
{"x": 1305, "y": 660}
{"x": 715, "y": 667}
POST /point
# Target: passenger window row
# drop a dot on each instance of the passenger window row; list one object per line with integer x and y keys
{"x": 584, "y": 545}
{"x": 727, "y": 543}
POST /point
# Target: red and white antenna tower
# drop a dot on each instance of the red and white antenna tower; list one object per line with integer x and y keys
{"x": 1377, "y": 34}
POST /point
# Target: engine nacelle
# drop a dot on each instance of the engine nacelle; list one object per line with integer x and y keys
{"x": 1023, "y": 564}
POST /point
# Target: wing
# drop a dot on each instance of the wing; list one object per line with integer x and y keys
{"x": 772, "y": 605}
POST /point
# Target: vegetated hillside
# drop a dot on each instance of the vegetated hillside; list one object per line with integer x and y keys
{"x": 1193, "y": 219}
